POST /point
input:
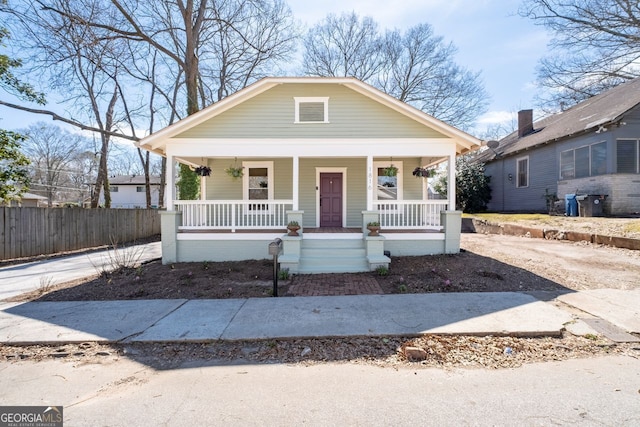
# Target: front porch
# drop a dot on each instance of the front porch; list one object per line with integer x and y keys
{"x": 332, "y": 200}
{"x": 189, "y": 236}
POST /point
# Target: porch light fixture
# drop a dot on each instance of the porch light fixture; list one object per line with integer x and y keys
{"x": 510, "y": 176}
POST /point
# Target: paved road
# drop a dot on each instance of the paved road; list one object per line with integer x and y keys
{"x": 587, "y": 392}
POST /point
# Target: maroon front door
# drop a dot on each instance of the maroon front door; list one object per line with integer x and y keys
{"x": 331, "y": 199}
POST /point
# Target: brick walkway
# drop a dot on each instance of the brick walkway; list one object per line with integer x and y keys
{"x": 309, "y": 285}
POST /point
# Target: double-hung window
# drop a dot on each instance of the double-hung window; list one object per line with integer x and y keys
{"x": 522, "y": 172}
{"x": 388, "y": 184}
{"x": 257, "y": 183}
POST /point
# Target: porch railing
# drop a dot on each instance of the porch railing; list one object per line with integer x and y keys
{"x": 410, "y": 214}
{"x": 233, "y": 214}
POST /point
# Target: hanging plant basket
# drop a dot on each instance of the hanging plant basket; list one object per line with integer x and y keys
{"x": 203, "y": 170}
{"x": 390, "y": 171}
{"x": 423, "y": 172}
{"x": 234, "y": 171}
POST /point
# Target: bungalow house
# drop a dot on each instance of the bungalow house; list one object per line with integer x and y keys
{"x": 332, "y": 154}
{"x": 128, "y": 191}
{"x": 593, "y": 148}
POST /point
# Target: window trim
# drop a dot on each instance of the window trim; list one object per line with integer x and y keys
{"x": 245, "y": 182}
{"x": 302, "y": 99}
{"x": 518, "y": 160}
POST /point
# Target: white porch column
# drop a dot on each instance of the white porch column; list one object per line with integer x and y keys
{"x": 370, "y": 185}
{"x": 296, "y": 183}
{"x": 451, "y": 182}
{"x": 171, "y": 185}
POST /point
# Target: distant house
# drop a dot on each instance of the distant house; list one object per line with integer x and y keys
{"x": 128, "y": 191}
{"x": 28, "y": 200}
{"x": 330, "y": 154}
{"x": 591, "y": 148}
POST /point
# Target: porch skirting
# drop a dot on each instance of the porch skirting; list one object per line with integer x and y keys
{"x": 312, "y": 252}
{"x": 216, "y": 247}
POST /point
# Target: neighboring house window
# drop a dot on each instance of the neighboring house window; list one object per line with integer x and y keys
{"x": 522, "y": 172}
{"x": 567, "y": 165}
{"x": 257, "y": 183}
{"x": 139, "y": 189}
{"x": 627, "y": 155}
{"x": 599, "y": 159}
{"x": 113, "y": 189}
{"x": 590, "y": 160}
{"x": 311, "y": 110}
{"x": 388, "y": 187}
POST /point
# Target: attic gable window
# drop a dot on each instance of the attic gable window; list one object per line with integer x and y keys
{"x": 311, "y": 109}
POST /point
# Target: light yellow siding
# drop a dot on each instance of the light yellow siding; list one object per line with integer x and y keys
{"x": 271, "y": 115}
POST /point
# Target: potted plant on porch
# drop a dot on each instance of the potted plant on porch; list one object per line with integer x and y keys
{"x": 293, "y": 228}
{"x": 374, "y": 228}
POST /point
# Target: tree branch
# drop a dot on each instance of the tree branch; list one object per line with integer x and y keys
{"x": 68, "y": 121}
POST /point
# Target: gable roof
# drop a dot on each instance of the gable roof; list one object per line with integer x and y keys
{"x": 156, "y": 142}
{"x": 31, "y": 196}
{"x": 587, "y": 116}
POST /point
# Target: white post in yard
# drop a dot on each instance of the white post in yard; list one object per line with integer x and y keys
{"x": 296, "y": 182}
{"x": 370, "y": 184}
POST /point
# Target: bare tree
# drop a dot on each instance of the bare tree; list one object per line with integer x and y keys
{"x": 414, "y": 66}
{"x": 343, "y": 45}
{"x": 596, "y": 45}
{"x": 190, "y": 52}
{"x": 419, "y": 69}
{"x": 55, "y": 156}
{"x": 82, "y": 64}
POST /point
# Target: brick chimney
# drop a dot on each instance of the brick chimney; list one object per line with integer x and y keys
{"x": 525, "y": 122}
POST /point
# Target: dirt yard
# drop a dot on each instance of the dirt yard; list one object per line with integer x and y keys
{"x": 488, "y": 263}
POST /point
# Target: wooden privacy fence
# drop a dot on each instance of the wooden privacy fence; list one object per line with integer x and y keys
{"x": 36, "y": 231}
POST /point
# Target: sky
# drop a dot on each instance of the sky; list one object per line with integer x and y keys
{"x": 489, "y": 35}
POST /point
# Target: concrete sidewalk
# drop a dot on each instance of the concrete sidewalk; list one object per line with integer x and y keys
{"x": 483, "y": 313}
{"x": 486, "y": 313}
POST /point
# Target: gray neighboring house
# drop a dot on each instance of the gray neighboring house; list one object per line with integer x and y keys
{"x": 591, "y": 148}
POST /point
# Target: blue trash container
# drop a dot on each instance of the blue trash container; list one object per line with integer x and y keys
{"x": 571, "y": 205}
